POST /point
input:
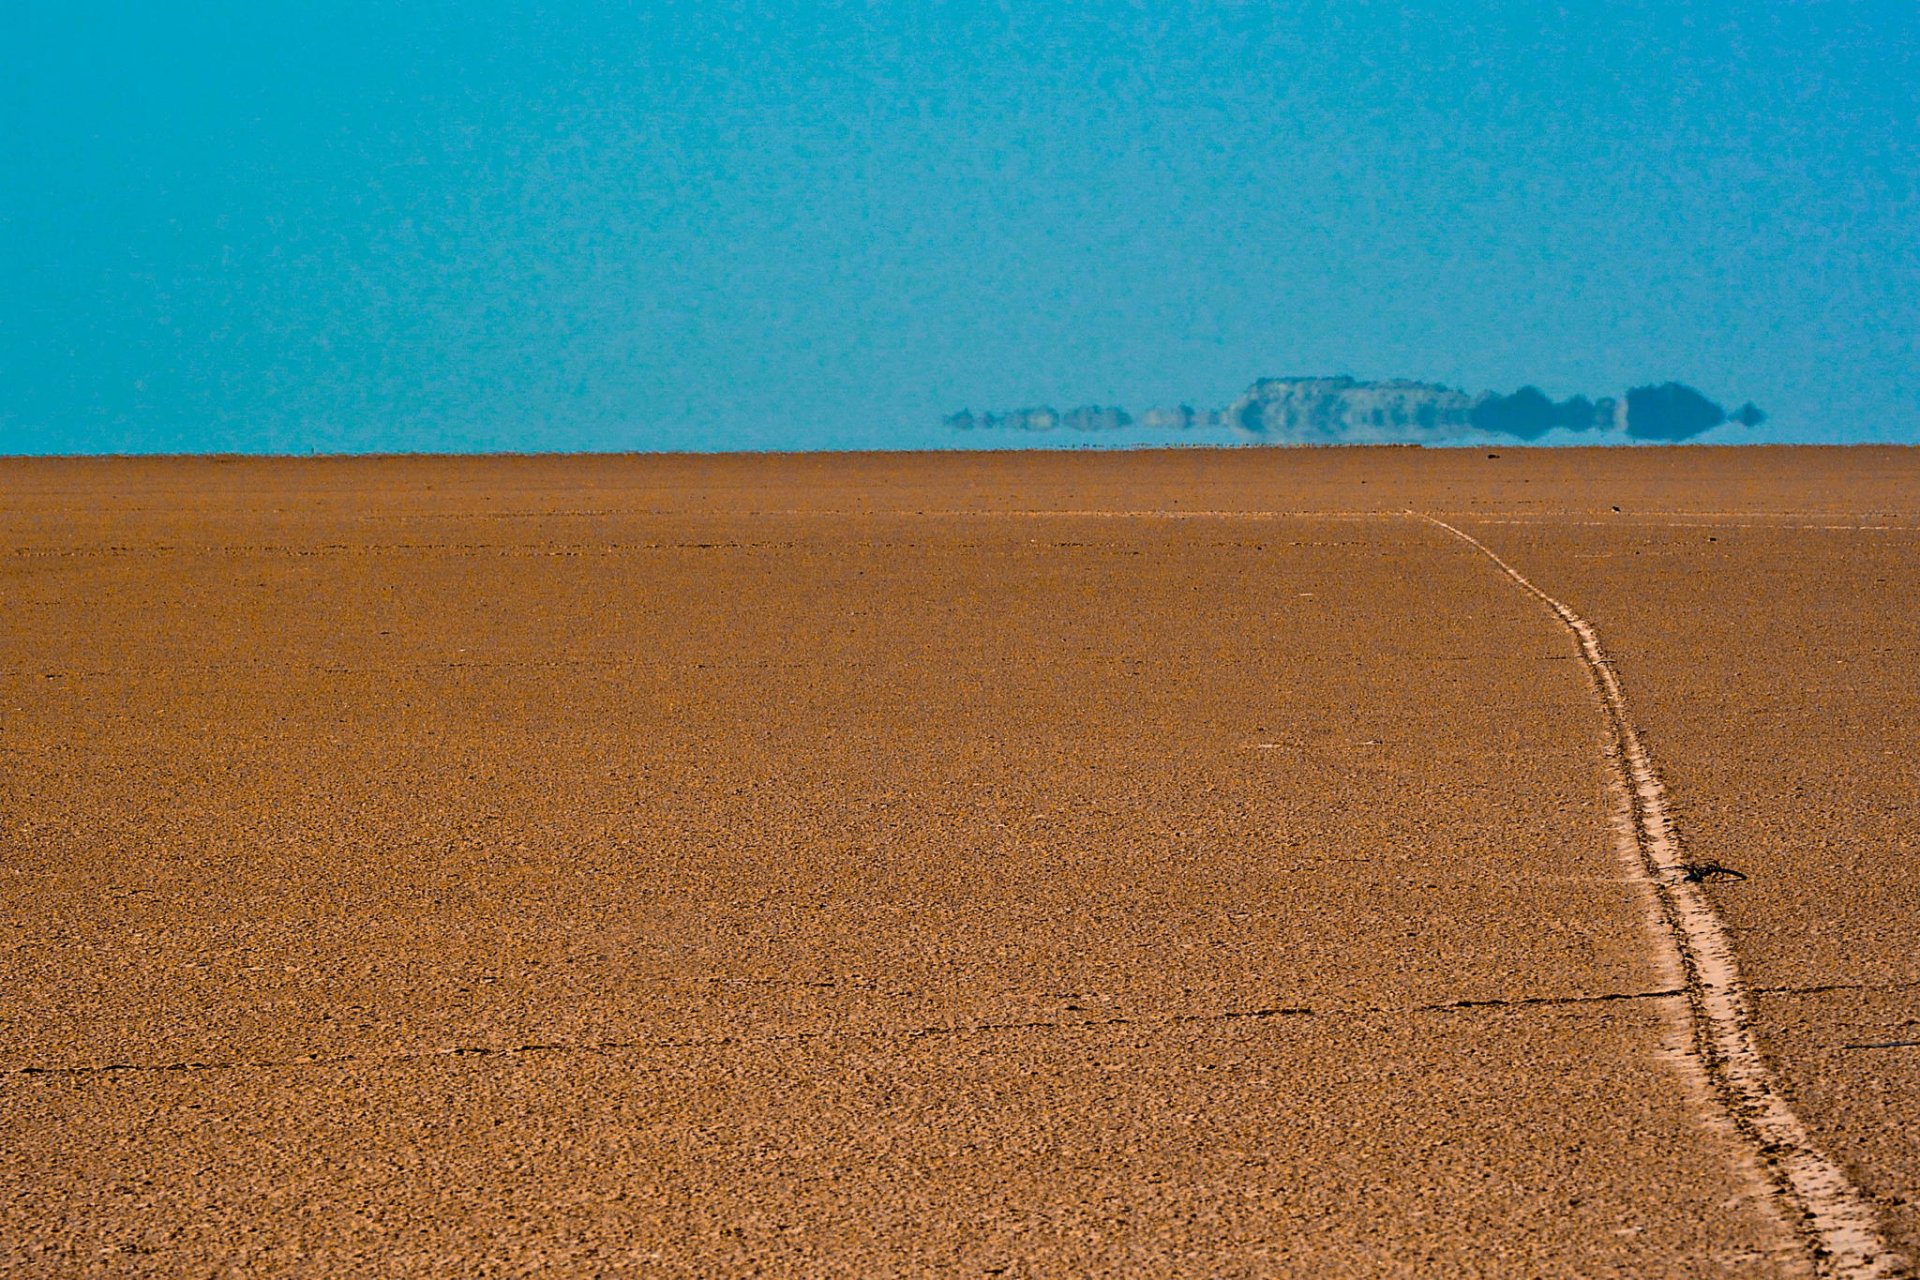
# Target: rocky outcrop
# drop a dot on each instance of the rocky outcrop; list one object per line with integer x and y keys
{"x": 1528, "y": 414}
{"x": 1342, "y": 410}
{"x": 1346, "y": 410}
{"x": 1090, "y": 417}
{"x": 1670, "y": 411}
{"x": 1180, "y": 418}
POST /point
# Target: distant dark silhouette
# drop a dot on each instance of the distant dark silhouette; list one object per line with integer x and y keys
{"x": 1525, "y": 415}
{"x": 1577, "y": 413}
{"x": 1528, "y": 414}
{"x": 1346, "y": 410}
{"x": 1670, "y": 411}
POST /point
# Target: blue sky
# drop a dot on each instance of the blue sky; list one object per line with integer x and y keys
{"x": 292, "y": 227}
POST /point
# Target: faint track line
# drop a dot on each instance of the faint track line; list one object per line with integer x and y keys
{"x": 1809, "y": 1188}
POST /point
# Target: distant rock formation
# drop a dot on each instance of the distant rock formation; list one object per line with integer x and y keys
{"x": 1670, "y": 411}
{"x": 1528, "y": 414}
{"x": 1346, "y": 410}
{"x": 1181, "y": 418}
{"x": 1342, "y": 409}
{"x": 1090, "y": 417}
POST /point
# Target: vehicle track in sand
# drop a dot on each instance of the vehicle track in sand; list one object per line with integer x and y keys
{"x": 1809, "y": 1190}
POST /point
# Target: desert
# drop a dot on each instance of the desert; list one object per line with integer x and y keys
{"x": 1193, "y": 862}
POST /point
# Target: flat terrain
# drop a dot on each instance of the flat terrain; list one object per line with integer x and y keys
{"x": 1162, "y": 864}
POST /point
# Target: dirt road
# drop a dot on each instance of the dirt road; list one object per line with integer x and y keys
{"x": 1154, "y": 864}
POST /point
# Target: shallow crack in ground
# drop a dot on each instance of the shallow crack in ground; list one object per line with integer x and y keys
{"x": 879, "y": 1033}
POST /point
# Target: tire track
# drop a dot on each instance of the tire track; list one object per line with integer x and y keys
{"x": 1808, "y": 1189}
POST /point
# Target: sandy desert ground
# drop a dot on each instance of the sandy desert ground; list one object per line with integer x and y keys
{"x": 1193, "y": 863}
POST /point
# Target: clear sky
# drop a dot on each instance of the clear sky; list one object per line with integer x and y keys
{"x": 271, "y": 226}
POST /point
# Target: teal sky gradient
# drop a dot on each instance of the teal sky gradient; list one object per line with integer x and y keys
{"x": 281, "y": 227}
